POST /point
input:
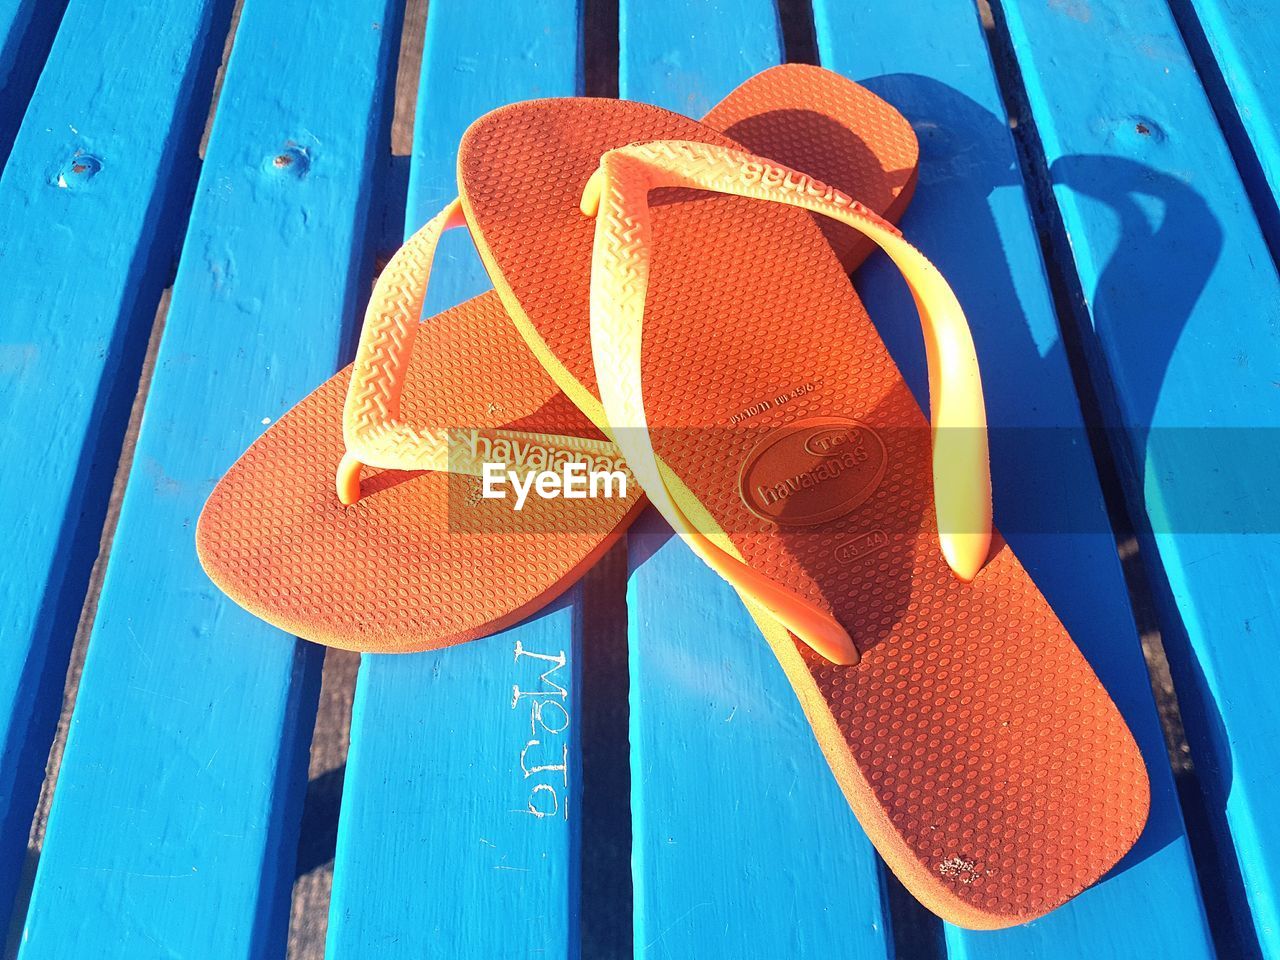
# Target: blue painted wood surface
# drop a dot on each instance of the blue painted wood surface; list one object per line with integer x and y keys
{"x": 98, "y": 188}
{"x": 688, "y": 56}
{"x": 27, "y": 28}
{"x": 447, "y": 846}
{"x": 970, "y": 215}
{"x": 1236, "y": 46}
{"x": 1183, "y": 331}
{"x": 174, "y": 824}
{"x": 742, "y": 840}
{"x": 743, "y": 844}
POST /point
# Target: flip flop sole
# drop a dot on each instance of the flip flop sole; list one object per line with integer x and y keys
{"x": 782, "y": 112}
{"x": 420, "y": 562}
{"x": 974, "y": 742}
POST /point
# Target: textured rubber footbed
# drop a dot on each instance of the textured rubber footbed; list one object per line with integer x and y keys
{"x": 419, "y": 561}
{"x": 977, "y": 747}
{"x": 875, "y": 158}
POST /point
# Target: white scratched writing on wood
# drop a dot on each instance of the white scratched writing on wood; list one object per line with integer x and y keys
{"x": 544, "y": 759}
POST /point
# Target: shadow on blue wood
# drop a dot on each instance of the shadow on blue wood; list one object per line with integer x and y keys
{"x": 1179, "y": 326}
{"x": 100, "y": 189}
{"x": 27, "y": 29}
{"x": 970, "y": 215}
{"x": 1046, "y": 493}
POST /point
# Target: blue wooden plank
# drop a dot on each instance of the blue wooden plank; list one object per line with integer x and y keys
{"x": 93, "y": 201}
{"x": 173, "y": 827}
{"x": 686, "y": 57}
{"x": 1180, "y": 326}
{"x": 27, "y": 28}
{"x": 1236, "y": 46}
{"x": 970, "y": 214}
{"x": 446, "y": 846}
{"x": 743, "y": 844}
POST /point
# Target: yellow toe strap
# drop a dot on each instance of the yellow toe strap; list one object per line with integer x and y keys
{"x": 617, "y": 195}
{"x": 372, "y": 428}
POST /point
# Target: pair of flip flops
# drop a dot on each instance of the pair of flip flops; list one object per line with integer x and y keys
{"x": 668, "y": 306}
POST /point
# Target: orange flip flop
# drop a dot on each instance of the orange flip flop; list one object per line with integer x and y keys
{"x": 418, "y": 558}
{"x": 736, "y": 368}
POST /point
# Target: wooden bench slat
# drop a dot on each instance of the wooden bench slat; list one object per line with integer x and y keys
{"x": 970, "y": 215}
{"x": 1181, "y": 333}
{"x": 438, "y": 850}
{"x": 688, "y": 57}
{"x": 743, "y": 844}
{"x": 174, "y": 824}
{"x": 1244, "y": 39}
{"x": 92, "y": 201}
{"x": 742, "y": 841}
{"x": 27, "y": 28}
{"x": 438, "y": 853}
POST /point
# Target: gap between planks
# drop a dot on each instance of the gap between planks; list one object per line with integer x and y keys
{"x": 219, "y": 77}
{"x": 1230, "y": 117}
{"x": 331, "y": 733}
{"x": 1067, "y": 301}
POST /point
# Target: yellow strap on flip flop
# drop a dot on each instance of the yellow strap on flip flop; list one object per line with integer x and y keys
{"x": 617, "y": 196}
{"x": 371, "y": 425}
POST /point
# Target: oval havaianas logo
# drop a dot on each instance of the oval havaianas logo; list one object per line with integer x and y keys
{"x": 812, "y": 470}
